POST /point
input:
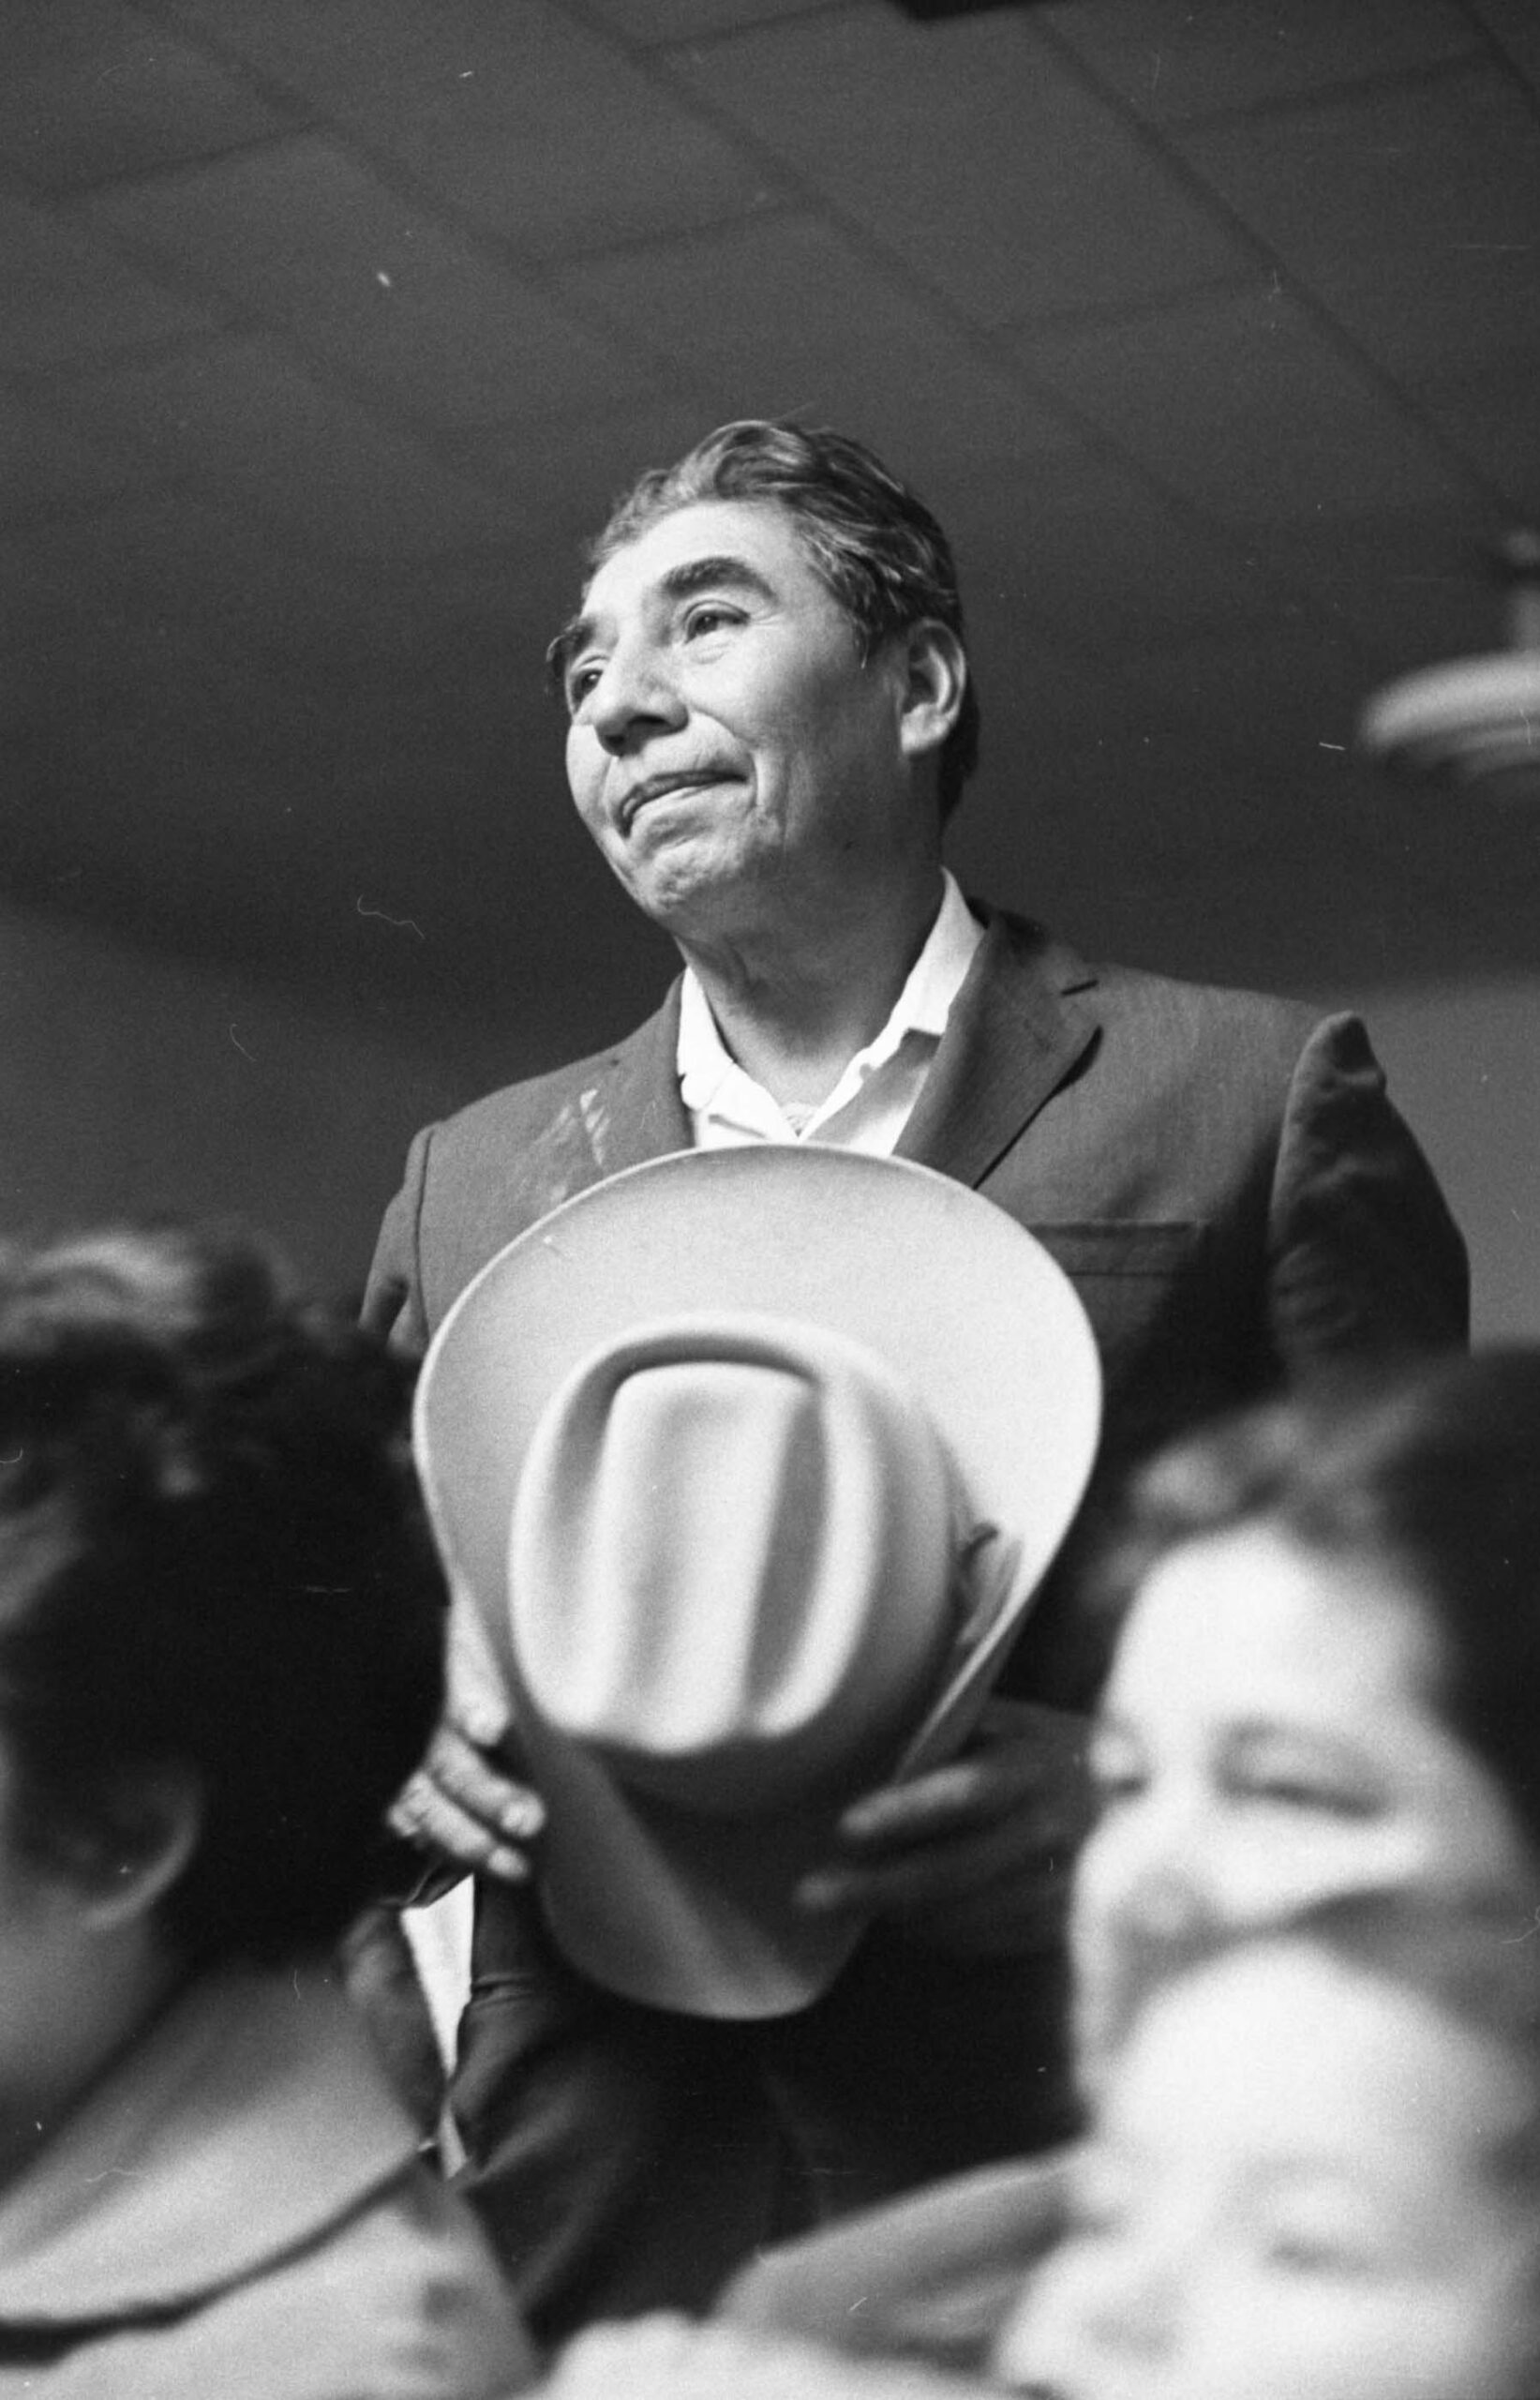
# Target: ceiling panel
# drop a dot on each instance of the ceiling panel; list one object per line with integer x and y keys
{"x": 1515, "y": 26}
{"x": 1412, "y": 213}
{"x": 1082, "y": 548}
{"x": 159, "y": 552}
{"x": 64, "y": 296}
{"x": 242, "y": 420}
{"x": 1236, "y": 399}
{"x": 562, "y": 475}
{"x": 1239, "y": 57}
{"x": 829, "y": 334}
{"x": 92, "y": 90}
{"x": 966, "y": 149}
{"x": 301, "y": 235}
{"x": 665, "y": 21}
{"x": 43, "y": 468}
{"x": 515, "y": 112}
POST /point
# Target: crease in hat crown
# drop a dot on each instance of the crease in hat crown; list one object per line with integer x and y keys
{"x": 732, "y": 1561}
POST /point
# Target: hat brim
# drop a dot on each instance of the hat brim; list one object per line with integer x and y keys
{"x": 968, "y": 1307}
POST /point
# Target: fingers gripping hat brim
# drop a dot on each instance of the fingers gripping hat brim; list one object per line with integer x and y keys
{"x": 968, "y": 1309}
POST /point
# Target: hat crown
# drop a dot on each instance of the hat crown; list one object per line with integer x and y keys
{"x": 730, "y": 1562}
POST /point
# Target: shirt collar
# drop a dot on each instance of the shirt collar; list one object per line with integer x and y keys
{"x": 933, "y": 982}
{"x": 703, "y": 1059}
{"x": 248, "y": 2119}
{"x": 936, "y": 976}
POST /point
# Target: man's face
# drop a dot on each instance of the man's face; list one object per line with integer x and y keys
{"x": 731, "y": 755}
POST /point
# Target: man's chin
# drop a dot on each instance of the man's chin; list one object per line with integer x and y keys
{"x": 671, "y": 862}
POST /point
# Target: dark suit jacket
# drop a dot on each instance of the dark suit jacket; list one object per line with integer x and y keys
{"x": 1220, "y": 1174}
{"x": 1234, "y": 1197}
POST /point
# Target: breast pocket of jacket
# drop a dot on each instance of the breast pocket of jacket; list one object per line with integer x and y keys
{"x": 1145, "y": 1289}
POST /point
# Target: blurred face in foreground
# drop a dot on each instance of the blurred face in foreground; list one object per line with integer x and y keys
{"x": 1295, "y": 2192}
{"x": 1269, "y": 1739}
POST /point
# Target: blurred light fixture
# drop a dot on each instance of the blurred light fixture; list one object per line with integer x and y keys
{"x": 1473, "y": 725}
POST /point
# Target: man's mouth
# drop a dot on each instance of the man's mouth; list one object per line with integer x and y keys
{"x": 663, "y": 788}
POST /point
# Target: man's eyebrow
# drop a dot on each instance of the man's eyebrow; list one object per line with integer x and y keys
{"x": 691, "y": 574}
{"x": 694, "y": 575}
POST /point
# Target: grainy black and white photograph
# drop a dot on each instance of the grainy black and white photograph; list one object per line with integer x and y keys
{"x": 769, "y": 1199}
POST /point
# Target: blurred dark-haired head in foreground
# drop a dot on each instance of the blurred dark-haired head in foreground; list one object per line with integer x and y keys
{"x": 221, "y": 1628}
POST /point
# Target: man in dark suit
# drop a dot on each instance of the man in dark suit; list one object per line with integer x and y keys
{"x": 770, "y": 718}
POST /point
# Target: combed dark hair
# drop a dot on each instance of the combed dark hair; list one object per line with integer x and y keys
{"x": 213, "y": 1556}
{"x": 873, "y": 546}
{"x": 1432, "y": 1479}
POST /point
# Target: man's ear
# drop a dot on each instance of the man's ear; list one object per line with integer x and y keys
{"x": 123, "y": 1867}
{"x": 935, "y": 671}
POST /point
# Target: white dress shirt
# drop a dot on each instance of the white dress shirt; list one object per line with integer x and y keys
{"x": 869, "y": 1106}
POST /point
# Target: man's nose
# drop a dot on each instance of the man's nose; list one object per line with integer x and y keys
{"x": 632, "y": 697}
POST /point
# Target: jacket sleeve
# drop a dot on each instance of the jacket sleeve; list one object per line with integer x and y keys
{"x": 1365, "y": 1260}
{"x": 392, "y": 1299}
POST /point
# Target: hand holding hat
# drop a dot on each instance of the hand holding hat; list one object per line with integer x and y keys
{"x": 462, "y": 1809}
{"x": 974, "y": 1857}
{"x": 747, "y": 1519}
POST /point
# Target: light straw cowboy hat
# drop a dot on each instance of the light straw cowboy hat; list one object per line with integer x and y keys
{"x": 746, "y": 1464}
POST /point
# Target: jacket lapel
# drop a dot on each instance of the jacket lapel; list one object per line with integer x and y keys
{"x": 1023, "y": 1017}
{"x": 633, "y": 1111}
